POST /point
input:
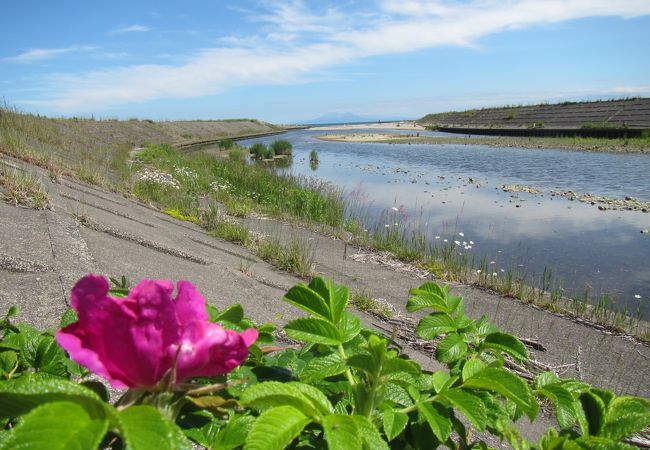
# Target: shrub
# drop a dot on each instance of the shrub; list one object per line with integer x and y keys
{"x": 226, "y": 144}
{"x": 258, "y": 150}
{"x": 313, "y": 156}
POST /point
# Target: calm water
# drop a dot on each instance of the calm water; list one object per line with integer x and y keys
{"x": 430, "y": 184}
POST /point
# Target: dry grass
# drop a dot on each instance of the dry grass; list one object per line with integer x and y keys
{"x": 22, "y": 188}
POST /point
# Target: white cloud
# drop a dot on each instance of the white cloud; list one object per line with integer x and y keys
{"x": 132, "y": 29}
{"x": 40, "y": 54}
{"x": 301, "y": 42}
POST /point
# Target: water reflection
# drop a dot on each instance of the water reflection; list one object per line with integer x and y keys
{"x": 583, "y": 246}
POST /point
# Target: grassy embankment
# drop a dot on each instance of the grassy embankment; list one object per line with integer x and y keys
{"x": 586, "y": 144}
{"x": 197, "y": 186}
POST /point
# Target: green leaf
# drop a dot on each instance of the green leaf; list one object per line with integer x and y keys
{"x": 472, "y": 367}
{"x": 274, "y": 393}
{"x": 69, "y": 316}
{"x": 49, "y": 357}
{"x": 276, "y": 428}
{"x": 626, "y": 415}
{"x": 439, "y": 379}
{"x": 372, "y": 439}
{"x": 58, "y": 425}
{"x": 565, "y": 404}
{"x": 363, "y": 362}
{"x": 545, "y": 378}
{"x": 451, "y": 348}
{"x": 341, "y": 432}
{"x": 322, "y": 367}
{"x": 507, "y": 343}
{"x": 349, "y": 326}
{"x": 313, "y": 329}
{"x": 234, "y": 434}
{"x": 395, "y": 365}
{"x": 19, "y": 396}
{"x": 507, "y": 384}
{"x": 469, "y": 404}
{"x": 422, "y": 299}
{"x": 397, "y": 394}
{"x": 594, "y": 409}
{"x": 335, "y": 296}
{"x": 437, "y": 418}
{"x": 8, "y": 362}
{"x": 317, "y": 398}
{"x": 434, "y": 325}
{"x": 308, "y": 300}
{"x": 484, "y": 327}
{"x": 232, "y": 314}
{"x": 144, "y": 427}
{"x": 394, "y": 423}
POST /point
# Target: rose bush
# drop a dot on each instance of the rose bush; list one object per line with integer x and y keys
{"x": 136, "y": 340}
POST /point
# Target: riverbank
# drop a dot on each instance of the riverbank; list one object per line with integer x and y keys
{"x": 630, "y": 145}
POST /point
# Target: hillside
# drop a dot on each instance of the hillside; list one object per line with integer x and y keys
{"x": 627, "y": 114}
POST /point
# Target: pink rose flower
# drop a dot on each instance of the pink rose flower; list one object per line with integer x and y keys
{"x": 134, "y": 341}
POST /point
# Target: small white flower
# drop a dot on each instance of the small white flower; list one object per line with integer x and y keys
{"x": 492, "y": 262}
{"x": 471, "y": 242}
{"x": 478, "y": 271}
{"x": 637, "y": 296}
{"x": 469, "y": 246}
{"x": 394, "y": 209}
{"x": 457, "y": 242}
{"x": 461, "y": 234}
{"x": 502, "y": 270}
{"x": 445, "y": 240}
{"x": 387, "y": 226}
{"x": 494, "y": 274}
{"x": 437, "y": 237}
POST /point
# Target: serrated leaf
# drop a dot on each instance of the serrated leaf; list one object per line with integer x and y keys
{"x": 484, "y": 327}
{"x": 545, "y": 378}
{"x": 451, "y": 348}
{"x": 341, "y": 432}
{"x": 349, "y": 326}
{"x": 276, "y": 428}
{"x": 143, "y": 427}
{"x": 508, "y": 385}
{"x": 19, "y": 396}
{"x": 313, "y": 329}
{"x": 322, "y": 367}
{"x": 370, "y": 436}
{"x": 437, "y": 418}
{"x": 626, "y": 415}
{"x": 394, "y": 423}
{"x": 469, "y": 404}
{"x": 438, "y": 380}
{"x": 397, "y": 394}
{"x": 234, "y": 434}
{"x": 308, "y": 300}
{"x": 275, "y": 394}
{"x": 565, "y": 404}
{"x": 8, "y": 362}
{"x": 316, "y": 396}
{"x": 57, "y": 425}
{"x": 507, "y": 343}
{"x": 472, "y": 367}
{"x": 594, "y": 409}
{"x": 434, "y": 325}
{"x": 232, "y": 314}
{"x": 336, "y": 296}
{"x": 422, "y": 299}
{"x": 363, "y": 362}
{"x": 69, "y": 316}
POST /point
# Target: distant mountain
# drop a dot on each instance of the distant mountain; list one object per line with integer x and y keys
{"x": 344, "y": 118}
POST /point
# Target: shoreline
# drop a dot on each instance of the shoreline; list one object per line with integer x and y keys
{"x": 635, "y": 145}
{"x": 401, "y": 125}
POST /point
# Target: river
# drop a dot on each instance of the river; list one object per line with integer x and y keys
{"x": 430, "y": 185}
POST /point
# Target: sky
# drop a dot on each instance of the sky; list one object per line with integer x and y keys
{"x": 288, "y": 61}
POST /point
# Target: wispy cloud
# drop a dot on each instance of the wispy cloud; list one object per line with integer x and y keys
{"x": 132, "y": 29}
{"x": 40, "y": 54}
{"x": 301, "y": 41}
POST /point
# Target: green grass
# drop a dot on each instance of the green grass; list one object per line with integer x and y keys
{"x": 363, "y": 302}
{"x": 22, "y": 188}
{"x": 231, "y": 231}
{"x": 296, "y": 256}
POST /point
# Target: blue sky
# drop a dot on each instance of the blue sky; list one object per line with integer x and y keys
{"x": 285, "y": 61}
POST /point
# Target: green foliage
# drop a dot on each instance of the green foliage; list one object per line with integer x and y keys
{"x": 346, "y": 388}
{"x": 281, "y": 147}
{"x": 226, "y": 144}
